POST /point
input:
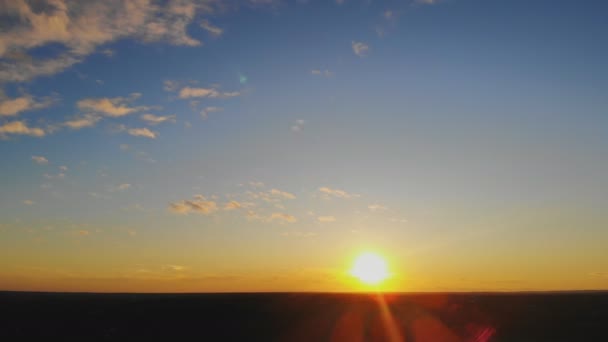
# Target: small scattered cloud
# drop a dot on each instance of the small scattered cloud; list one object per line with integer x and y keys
{"x": 40, "y": 160}
{"x": 142, "y": 132}
{"x": 155, "y": 120}
{"x": 282, "y": 217}
{"x": 603, "y": 275}
{"x": 232, "y": 205}
{"x": 207, "y": 110}
{"x": 112, "y": 107}
{"x": 170, "y": 85}
{"x": 123, "y": 186}
{"x": 108, "y": 52}
{"x": 63, "y": 168}
{"x": 377, "y": 207}
{"x": 326, "y": 219}
{"x": 213, "y": 30}
{"x": 360, "y": 49}
{"x": 320, "y": 72}
{"x": 15, "y": 106}
{"x": 194, "y": 92}
{"x": 256, "y": 184}
{"x": 329, "y": 192}
{"x": 427, "y": 2}
{"x": 200, "y": 205}
{"x": 28, "y": 202}
{"x": 20, "y": 128}
{"x": 282, "y": 194}
{"x": 298, "y": 125}
{"x": 299, "y": 234}
{"x": 84, "y": 121}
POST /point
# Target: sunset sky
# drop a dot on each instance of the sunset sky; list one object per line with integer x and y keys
{"x": 262, "y": 145}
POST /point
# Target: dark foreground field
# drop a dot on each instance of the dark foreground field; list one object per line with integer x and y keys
{"x": 306, "y": 317}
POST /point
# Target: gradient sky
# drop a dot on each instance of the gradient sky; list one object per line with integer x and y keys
{"x": 262, "y": 145}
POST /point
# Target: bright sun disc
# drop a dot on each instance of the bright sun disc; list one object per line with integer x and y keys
{"x": 370, "y": 269}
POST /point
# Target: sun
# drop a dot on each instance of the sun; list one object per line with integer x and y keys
{"x": 370, "y": 269}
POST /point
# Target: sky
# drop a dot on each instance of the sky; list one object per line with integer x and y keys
{"x": 236, "y": 146}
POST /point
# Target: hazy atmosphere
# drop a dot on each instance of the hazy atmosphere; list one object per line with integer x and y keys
{"x": 262, "y": 145}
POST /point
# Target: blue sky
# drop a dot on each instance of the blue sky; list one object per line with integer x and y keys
{"x": 249, "y": 139}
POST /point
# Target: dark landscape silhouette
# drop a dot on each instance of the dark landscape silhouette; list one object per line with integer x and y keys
{"x": 576, "y": 316}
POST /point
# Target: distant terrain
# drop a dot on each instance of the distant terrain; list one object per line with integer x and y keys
{"x": 580, "y": 316}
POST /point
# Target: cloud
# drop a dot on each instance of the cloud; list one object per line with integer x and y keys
{"x": 123, "y": 186}
{"x": 79, "y": 27}
{"x": 87, "y": 120}
{"x": 213, "y": 30}
{"x": 427, "y": 2}
{"x": 28, "y": 202}
{"x": 63, "y": 168}
{"x": 108, "y": 52}
{"x": 193, "y": 92}
{"x": 170, "y": 85}
{"x": 599, "y": 275}
{"x": 13, "y": 107}
{"x": 299, "y": 234}
{"x": 298, "y": 125}
{"x": 142, "y": 132}
{"x": 205, "y": 112}
{"x": 200, "y": 205}
{"x": 256, "y": 184}
{"x": 112, "y": 107}
{"x": 20, "y": 128}
{"x": 376, "y": 207}
{"x": 360, "y": 49}
{"x": 154, "y": 120}
{"x": 328, "y": 192}
{"x": 40, "y": 160}
{"x": 282, "y": 217}
{"x": 319, "y": 72}
{"x": 232, "y": 205}
{"x": 282, "y": 194}
{"x": 325, "y": 219}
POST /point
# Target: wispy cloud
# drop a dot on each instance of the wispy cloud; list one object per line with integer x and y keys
{"x": 28, "y": 202}
{"x": 282, "y": 217}
{"x": 40, "y": 160}
{"x": 320, "y": 72}
{"x": 86, "y": 120}
{"x": 329, "y": 192}
{"x": 377, "y": 207}
{"x": 155, "y": 120}
{"x": 112, "y": 107}
{"x": 194, "y": 92}
{"x": 213, "y": 30}
{"x": 142, "y": 132}
{"x": 207, "y": 110}
{"x": 427, "y": 2}
{"x": 123, "y": 186}
{"x": 200, "y": 205}
{"x": 360, "y": 49}
{"x": 298, "y": 125}
{"x": 20, "y": 128}
{"x": 233, "y": 205}
{"x": 282, "y": 194}
{"x": 326, "y": 219}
